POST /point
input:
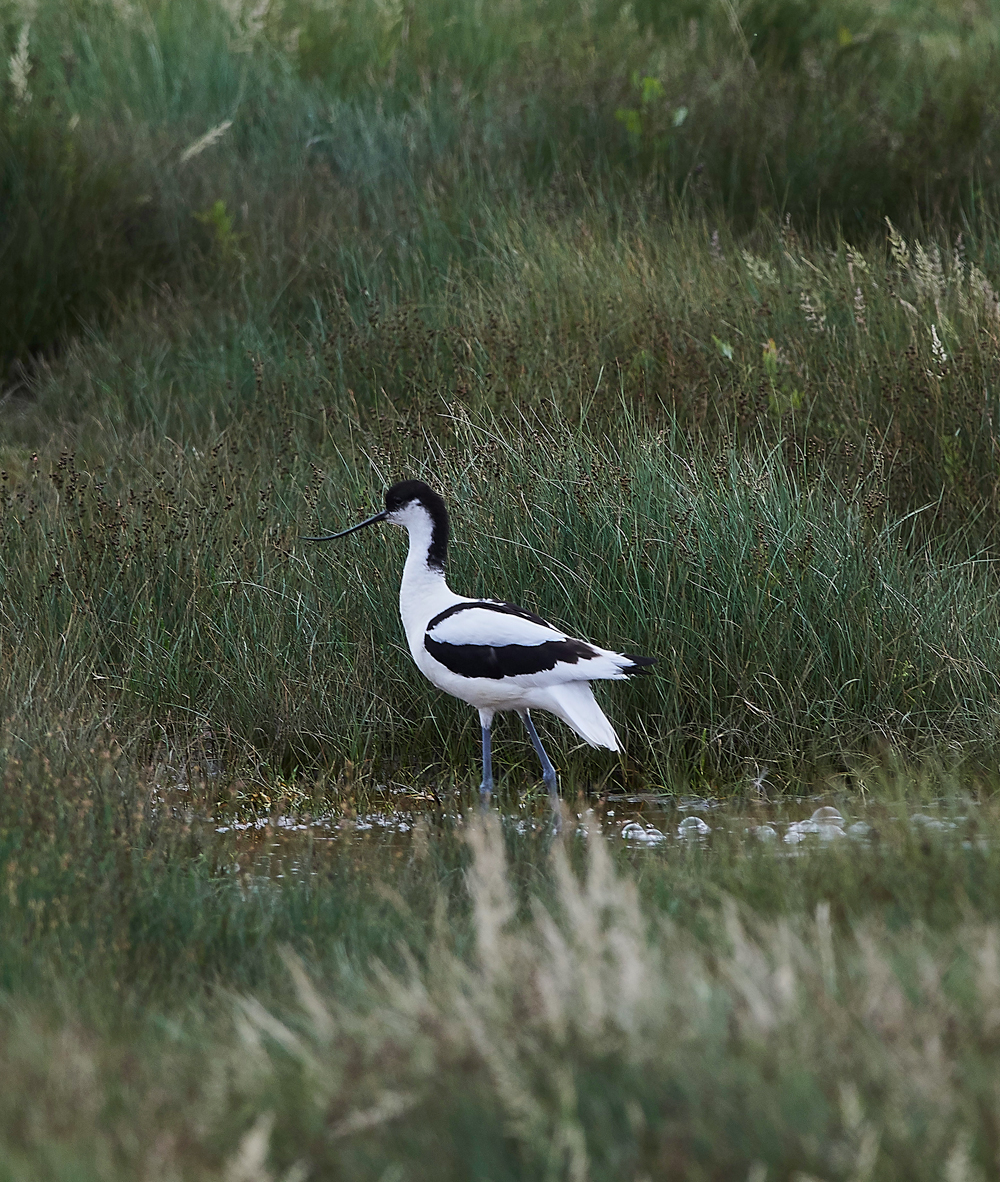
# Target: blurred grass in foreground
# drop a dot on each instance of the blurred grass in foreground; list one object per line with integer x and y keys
{"x": 478, "y": 1001}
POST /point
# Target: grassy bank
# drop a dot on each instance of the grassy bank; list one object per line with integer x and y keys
{"x": 797, "y": 622}
{"x": 316, "y": 274}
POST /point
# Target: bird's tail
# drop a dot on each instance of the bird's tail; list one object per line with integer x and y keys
{"x": 575, "y": 704}
{"x": 637, "y": 664}
{"x": 612, "y": 666}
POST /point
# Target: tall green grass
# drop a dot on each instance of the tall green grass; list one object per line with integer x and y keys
{"x": 370, "y": 117}
{"x": 796, "y": 620}
{"x": 780, "y": 442}
{"x": 887, "y": 347}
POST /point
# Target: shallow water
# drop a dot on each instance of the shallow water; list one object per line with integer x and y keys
{"x": 279, "y": 846}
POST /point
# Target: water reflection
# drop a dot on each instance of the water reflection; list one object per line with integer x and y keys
{"x": 282, "y": 845}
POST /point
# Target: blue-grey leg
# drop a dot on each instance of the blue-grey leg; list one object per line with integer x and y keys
{"x": 548, "y": 771}
{"x": 486, "y": 787}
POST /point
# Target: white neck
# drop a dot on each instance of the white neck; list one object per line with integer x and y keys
{"x": 424, "y": 590}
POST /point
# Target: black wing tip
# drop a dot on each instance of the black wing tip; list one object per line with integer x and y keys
{"x": 639, "y": 664}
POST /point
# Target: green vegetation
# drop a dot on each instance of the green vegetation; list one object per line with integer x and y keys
{"x": 796, "y": 627}
{"x": 471, "y": 1002}
{"x": 692, "y": 312}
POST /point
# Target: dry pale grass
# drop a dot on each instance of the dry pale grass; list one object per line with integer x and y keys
{"x": 582, "y": 1037}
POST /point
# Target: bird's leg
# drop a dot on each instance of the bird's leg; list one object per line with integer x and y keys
{"x": 486, "y": 787}
{"x": 548, "y": 771}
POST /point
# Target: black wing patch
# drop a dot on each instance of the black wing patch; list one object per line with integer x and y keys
{"x": 506, "y": 660}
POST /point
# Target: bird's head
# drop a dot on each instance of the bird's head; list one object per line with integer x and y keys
{"x": 413, "y": 506}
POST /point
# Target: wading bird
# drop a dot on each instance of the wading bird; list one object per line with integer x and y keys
{"x": 495, "y": 656}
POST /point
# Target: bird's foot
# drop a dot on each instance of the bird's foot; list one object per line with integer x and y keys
{"x": 552, "y": 787}
{"x": 485, "y": 795}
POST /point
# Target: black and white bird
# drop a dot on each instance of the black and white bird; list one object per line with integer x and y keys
{"x": 493, "y": 655}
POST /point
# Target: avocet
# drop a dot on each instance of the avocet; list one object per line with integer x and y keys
{"x": 493, "y": 655}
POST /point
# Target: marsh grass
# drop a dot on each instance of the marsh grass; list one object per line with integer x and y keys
{"x": 831, "y": 485}
{"x": 316, "y": 129}
{"x": 797, "y": 621}
{"x": 618, "y": 282}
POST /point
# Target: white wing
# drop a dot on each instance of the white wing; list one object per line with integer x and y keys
{"x": 481, "y": 625}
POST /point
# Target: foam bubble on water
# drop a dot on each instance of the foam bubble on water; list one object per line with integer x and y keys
{"x": 764, "y": 832}
{"x": 926, "y": 822}
{"x": 635, "y": 831}
{"x": 826, "y": 823}
{"x": 693, "y": 827}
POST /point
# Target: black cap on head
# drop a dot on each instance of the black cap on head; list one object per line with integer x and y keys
{"x": 404, "y": 493}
